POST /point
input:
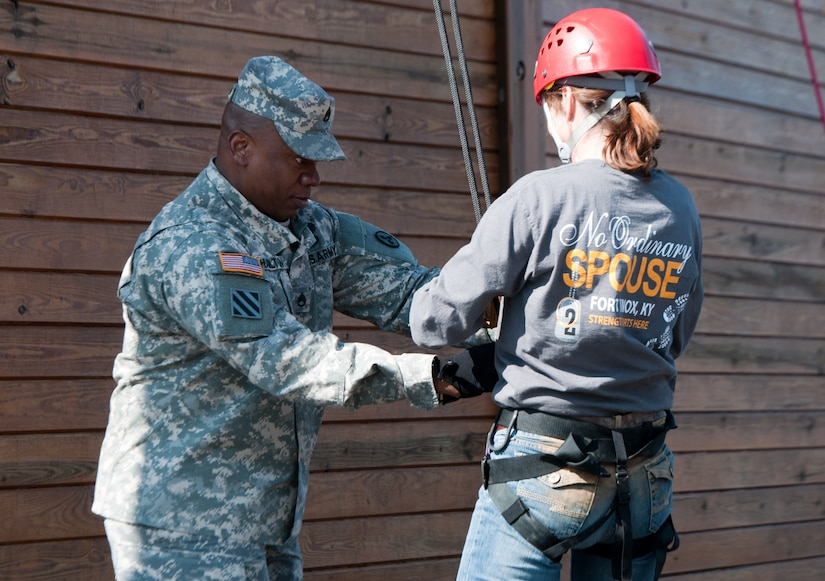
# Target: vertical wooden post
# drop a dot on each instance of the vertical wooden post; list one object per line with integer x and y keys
{"x": 521, "y": 123}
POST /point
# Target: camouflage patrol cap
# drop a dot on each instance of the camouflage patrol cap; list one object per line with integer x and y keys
{"x": 301, "y": 110}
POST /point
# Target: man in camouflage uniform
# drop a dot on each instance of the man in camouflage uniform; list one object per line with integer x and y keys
{"x": 228, "y": 357}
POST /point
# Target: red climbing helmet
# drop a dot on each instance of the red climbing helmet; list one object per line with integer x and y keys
{"x": 593, "y": 41}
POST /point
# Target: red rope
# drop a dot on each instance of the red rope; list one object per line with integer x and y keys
{"x": 809, "y": 55}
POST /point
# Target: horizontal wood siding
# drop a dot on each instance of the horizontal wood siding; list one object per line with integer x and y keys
{"x": 108, "y": 109}
{"x": 743, "y": 132}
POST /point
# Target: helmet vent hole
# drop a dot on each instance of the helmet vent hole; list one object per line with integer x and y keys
{"x": 570, "y": 29}
{"x": 559, "y": 42}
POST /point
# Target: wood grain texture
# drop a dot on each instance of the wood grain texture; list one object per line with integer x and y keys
{"x": 109, "y": 109}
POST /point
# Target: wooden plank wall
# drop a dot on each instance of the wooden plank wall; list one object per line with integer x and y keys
{"x": 107, "y": 110}
{"x": 744, "y": 134}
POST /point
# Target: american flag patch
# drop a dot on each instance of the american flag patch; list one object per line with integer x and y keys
{"x": 233, "y": 262}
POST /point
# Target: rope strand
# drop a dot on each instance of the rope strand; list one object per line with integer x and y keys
{"x": 809, "y": 55}
{"x": 468, "y": 95}
{"x": 459, "y": 115}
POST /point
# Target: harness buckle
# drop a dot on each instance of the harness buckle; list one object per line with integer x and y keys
{"x": 485, "y": 471}
{"x": 622, "y": 484}
{"x": 491, "y": 446}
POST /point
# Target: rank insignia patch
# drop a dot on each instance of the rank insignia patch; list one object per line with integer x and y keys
{"x": 234, "y": 262}
{"x": 245, "y": 304}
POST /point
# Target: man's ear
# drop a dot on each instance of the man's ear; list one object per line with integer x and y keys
{"x": 240, "y": 146}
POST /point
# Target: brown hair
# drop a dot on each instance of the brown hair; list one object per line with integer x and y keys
{"x": 633, "y": 133}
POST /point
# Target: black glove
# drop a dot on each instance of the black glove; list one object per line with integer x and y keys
{"x": 472, "y": 372}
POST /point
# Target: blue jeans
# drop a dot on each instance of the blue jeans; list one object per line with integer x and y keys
{"x": 565, "y": 502}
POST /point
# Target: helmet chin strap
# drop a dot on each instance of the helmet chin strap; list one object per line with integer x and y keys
{"x": 562, "y": 147}
{"x": 624, "y": 87}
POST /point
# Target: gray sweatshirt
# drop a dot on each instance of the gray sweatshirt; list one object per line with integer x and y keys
{"x": 601, "y": 277}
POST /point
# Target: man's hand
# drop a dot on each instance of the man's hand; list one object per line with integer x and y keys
{"x": 446, "y": 392}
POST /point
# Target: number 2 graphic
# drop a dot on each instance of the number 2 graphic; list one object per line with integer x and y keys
{"x": 567, "y": 319}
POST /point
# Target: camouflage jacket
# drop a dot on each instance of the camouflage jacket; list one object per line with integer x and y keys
{"x": 228, "y": 360}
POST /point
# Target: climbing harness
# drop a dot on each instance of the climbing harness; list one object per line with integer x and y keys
{"x": 586, "y": 446}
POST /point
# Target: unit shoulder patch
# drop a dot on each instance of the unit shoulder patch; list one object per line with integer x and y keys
{"x": 387, "y": 239}
{"x": 245, "y": 306}
{"x": 359, "y": 237}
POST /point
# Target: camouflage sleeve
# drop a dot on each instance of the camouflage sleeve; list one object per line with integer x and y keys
{"x": 375, "y": 275}
{"x": 236, "y": 316}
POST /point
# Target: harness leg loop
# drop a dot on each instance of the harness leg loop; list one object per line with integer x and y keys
{"x": 623, "y": 567}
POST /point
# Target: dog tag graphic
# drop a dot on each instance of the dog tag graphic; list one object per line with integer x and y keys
{"x": 567, "y": 320}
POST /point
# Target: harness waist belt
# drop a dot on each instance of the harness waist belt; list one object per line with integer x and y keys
{"x": 560, "y": 427}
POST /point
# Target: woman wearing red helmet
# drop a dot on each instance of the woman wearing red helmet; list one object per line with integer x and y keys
{"x": 599, "y": 264}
